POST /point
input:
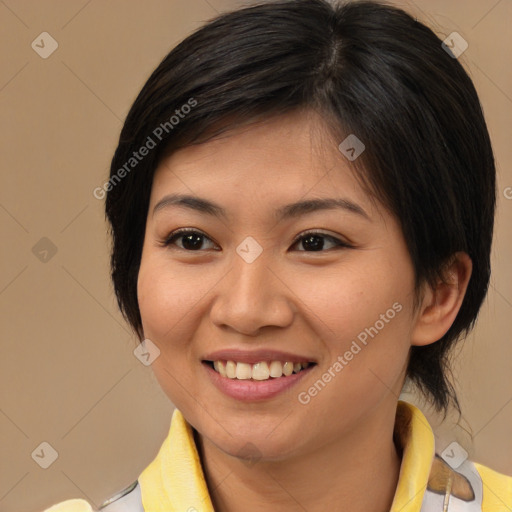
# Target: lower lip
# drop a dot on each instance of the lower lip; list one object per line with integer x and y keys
{"x": 249, "y": 390}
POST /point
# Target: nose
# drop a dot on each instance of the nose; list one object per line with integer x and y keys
{"x": 252, "y": 296}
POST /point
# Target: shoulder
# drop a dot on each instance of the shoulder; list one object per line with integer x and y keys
{"x": 70, "y": 506}
{"x": 497, "y": 489}
{"x": 128, "y": 500}
{"x": 466, "y": 487}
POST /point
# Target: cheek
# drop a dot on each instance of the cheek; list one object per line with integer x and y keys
{"x": 363, "y": 317}
{"x": 167, "y": 299}
{"x": 366, "y": 338}
{"x": 354, "y": 298}
{"x": 154, "y": 296}
{"x": 169, "y": 304}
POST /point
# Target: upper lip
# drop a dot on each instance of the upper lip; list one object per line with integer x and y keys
{"x": 255, "y": 356}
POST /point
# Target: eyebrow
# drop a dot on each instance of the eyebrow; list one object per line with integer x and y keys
{"x": 285, "y": 212}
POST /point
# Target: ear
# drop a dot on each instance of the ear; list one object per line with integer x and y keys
{"x": 440, "y": 305}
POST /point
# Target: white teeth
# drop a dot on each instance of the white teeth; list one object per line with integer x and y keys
{"x": 276, "y": 369}
{"x": 243, "y": 371}
{"x": 287, "y": 368}
{"x": 230, "y": 369}
{"x": 258, "y": 371}
{"x": 221, "y": 368}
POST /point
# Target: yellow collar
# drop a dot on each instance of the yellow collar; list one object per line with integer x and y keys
{"x": 413, "y": 434}
{"x": 175, "y": 481}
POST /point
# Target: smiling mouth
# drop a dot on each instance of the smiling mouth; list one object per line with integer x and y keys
{"x": 263, "y": 370}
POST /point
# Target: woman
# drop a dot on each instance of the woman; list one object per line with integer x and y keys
{"x": 302, "y": 205}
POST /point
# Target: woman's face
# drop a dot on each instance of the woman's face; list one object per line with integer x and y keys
{"x": 250, "y": 281}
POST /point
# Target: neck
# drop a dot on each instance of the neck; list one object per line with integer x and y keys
{"x": 358, "y": 472}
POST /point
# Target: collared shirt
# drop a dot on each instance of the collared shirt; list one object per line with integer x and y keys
{"x": 175, "y": 482}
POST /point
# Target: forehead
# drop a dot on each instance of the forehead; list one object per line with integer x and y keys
{"x": 271, "y": 162}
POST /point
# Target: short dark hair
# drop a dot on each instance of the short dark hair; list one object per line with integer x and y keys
{"x": 369, "y": 69}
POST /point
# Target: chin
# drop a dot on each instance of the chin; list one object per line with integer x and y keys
{"x": 252, "y": 445}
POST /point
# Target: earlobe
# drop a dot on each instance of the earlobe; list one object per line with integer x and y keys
{"x": 441, "y": 304}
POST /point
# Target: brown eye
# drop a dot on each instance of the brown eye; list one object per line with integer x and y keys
{"x": 315, "y": 242}
{"x": 191, "y": 240}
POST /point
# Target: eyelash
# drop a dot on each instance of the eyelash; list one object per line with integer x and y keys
{"x": 186, "y": 231}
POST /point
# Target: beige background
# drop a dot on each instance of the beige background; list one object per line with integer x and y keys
{"x": 68, "y": 373}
